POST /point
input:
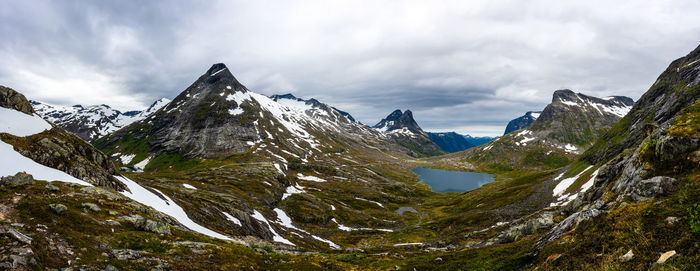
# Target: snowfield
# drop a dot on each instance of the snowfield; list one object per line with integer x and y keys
{"x": 19, "y": 124}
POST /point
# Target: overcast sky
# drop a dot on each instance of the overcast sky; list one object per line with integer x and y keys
{"x": 465, "y": 66}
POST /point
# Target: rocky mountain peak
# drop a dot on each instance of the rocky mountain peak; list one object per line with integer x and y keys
{"x": 399, "y": 120}
{"x": 564, "y": 95}
{"x": 9, "y": 98}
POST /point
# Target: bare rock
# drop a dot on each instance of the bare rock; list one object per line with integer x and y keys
{"x": 52, "y": 188}
{"x": 18, "y": 180}
{"x": 672, "y": 220}
{"x": 651, "y": 188}
{"x": 20, "y": 236}
{"x": 664, "y": 258}
{"x": 87, "y": 206}
{"x": 58, "y": 208}
{"x": 628, "y": 256}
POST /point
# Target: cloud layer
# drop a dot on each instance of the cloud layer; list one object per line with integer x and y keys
{"x": 464, "y": 66}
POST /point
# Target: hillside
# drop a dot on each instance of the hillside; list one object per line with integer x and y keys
{"x": 565, "y": 128}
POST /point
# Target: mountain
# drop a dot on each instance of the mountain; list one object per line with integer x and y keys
{"x": 522, "y": 122}
{"x": 217, "y": 117}
{"x": 564, "y": 129}
{"x": 402, "y": 128}
{"x": 478, "y": 140}
{"x": 95, "y": 121}
{"x": 450, "y": 141}
{"x": 643, "y": 171}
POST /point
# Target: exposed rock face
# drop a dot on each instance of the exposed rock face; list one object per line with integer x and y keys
{"x": 92, "y": 122}
{"x": 522, "y": 121}
{"x": 656, "y": 138}
{"x": 566, "y": 127}
{"x": 9, "y": 98}
{"x": 64, "y": 151}
{"x": 651, "y": 188}
{"x": 543, "y": 221}
{"x": 450, "y": 142}
{"x": 580, "y": 119}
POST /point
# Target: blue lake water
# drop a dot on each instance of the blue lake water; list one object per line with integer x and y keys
{"x": 452, "y": 181}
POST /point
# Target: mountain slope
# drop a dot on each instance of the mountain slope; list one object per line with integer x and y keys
{"x": 92, "y": 122}
{"x": 566, "y": 127}
{"x": 643, "y": 174}
{"x": 522, "y": 122}
{"x": 403, "y": 129}
{"x": 37, "y": 146}
{"x": 450, "y": 141}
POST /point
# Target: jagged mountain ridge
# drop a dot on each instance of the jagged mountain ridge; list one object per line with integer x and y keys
{"x": 522, "y": 122}
{"x": 95, "y": 121}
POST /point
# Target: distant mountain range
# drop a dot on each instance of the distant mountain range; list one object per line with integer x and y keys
{"x": 454, "y": 142}
{"x": 94, "y": 121}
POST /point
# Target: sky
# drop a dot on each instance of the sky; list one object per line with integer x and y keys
{"x": 464, "y": 66}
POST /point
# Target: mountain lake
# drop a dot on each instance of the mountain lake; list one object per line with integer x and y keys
{"x": 441, "y": 180}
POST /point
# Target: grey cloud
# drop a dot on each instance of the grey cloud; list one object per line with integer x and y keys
{"x": 466, "y": 66}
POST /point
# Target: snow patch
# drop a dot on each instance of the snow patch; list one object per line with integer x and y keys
{"x": 19, "y": 124}
{"x": 233, "y": 219}
{"x": 377, "y": 203}
{"x": 310, "y": 178}
{"x": 126, "y": 158}
{"x": 188, "y": 186}
{"x": 13, "y": 162}
{"x": 167, "y": 206}
{"x": 275, "y": 236}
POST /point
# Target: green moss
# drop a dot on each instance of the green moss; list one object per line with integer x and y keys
{"x": 687, "y": 124}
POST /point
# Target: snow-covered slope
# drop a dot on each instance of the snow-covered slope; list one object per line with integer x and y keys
{"x": 95, "y": 121}
{"x": 20, "y": 124}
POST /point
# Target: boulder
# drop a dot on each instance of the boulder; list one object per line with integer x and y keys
{"x": 18, "y": 261}
{"x": 143, "y": 224}
{"x": 9, "y": 98}
{"x": 664, "y": 258}
{"x": 543, "y": 221}
{"x": 651, "y": 188}
{"x": 125, "y": 254}
{"x": 628, "y": 256}
{"x": 52, "y": 188}
{"x": 58, "y": 208}
{"x": 20, "y": 236}
{"x": 18, "y": 180}
{"x": 87, "y": 206}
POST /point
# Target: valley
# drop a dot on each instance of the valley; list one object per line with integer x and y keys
{"x": 223, "y": 177}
